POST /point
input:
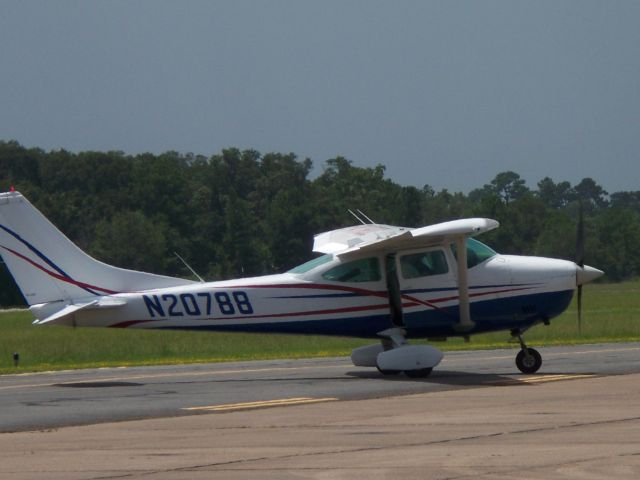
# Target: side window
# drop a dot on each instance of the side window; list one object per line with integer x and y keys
{"x": 423, "y": 264}
{"x": 364, "y": 270}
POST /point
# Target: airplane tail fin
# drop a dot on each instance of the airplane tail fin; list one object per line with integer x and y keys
{"x": 48, "y": 267}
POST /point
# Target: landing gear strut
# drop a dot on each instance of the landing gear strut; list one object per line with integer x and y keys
{"x": 528, "y": 359}
{"x": 415, "y": 360}
{"x": 394, "y": 355}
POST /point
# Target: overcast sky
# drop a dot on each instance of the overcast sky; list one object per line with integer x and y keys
{"x": 446, "y": 93}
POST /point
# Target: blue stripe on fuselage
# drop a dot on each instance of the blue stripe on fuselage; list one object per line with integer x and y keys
{"x": 490, "y": 315}
{"x": 519, "y": 311}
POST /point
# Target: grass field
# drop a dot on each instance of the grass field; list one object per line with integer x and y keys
{"x": 611, "y": 314}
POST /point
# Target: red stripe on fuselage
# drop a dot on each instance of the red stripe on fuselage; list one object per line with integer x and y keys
{"x": 412, "y": 302}
{"x": 480, "y": 294}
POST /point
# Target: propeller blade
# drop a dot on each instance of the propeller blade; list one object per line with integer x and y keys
{"x": 580, "y": 261}
{"x": 580, "y": 238}
{"x": 579, "y": 309}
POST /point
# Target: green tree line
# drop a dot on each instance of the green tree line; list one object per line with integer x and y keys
{"x": 243, "y": 213}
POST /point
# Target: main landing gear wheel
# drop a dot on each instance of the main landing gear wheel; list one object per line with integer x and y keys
{"x": 419, "y": 373}
{"x": 528, "y": 360}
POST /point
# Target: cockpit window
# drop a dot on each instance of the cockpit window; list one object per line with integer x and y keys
{"x": 477, "y": 252}
{"x": 423, "y": 264}
{"x": 311, "y": 264}
{"x": 364, "y": 270}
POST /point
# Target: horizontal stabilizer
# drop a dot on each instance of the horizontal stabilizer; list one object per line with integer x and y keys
{"x": 63, "y": 316}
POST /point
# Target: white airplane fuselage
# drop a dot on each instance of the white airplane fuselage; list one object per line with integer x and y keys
{"x": 506, "y": 292}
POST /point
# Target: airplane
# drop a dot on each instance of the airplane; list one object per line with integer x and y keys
{"x": 371, "y": 281}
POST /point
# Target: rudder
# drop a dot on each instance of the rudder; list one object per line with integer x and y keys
{"x": 48, "y": 267}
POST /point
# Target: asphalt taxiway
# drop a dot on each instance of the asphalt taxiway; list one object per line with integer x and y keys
{"x": 323, "y": 418}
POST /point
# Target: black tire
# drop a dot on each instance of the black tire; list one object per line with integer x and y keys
{"x": 529, "y": 362}
{"x": 419, "y": 373}
{"x": 388, "y": 372}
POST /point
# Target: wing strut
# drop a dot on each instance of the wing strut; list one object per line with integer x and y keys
{"x": 463, "y": 285}
{"x": 393, "y": 288}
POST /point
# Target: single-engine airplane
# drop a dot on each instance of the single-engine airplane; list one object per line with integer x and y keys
{"x": 372, "y": 281}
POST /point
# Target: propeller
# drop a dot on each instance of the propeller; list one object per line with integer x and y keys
{"x": 580, "y": 261}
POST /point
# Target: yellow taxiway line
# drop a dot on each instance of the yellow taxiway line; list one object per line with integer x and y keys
{"x": 262, "y": 404}
{"x": 555, "y": 378}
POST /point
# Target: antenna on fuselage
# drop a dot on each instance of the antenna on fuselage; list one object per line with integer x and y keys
{"x": 189, "y": 267}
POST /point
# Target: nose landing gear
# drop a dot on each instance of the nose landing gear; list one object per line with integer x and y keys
{"x": 528, "y": 359}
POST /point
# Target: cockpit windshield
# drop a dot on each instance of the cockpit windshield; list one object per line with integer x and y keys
{"x": 311, "y": 264}
{"x": 477, "y": 252}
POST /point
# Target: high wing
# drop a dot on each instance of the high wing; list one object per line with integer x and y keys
{"x": 375, "y": 238}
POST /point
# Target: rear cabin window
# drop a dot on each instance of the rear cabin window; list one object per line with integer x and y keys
{"x": 423, "y": 264}
{"x": 364, "y": 270}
